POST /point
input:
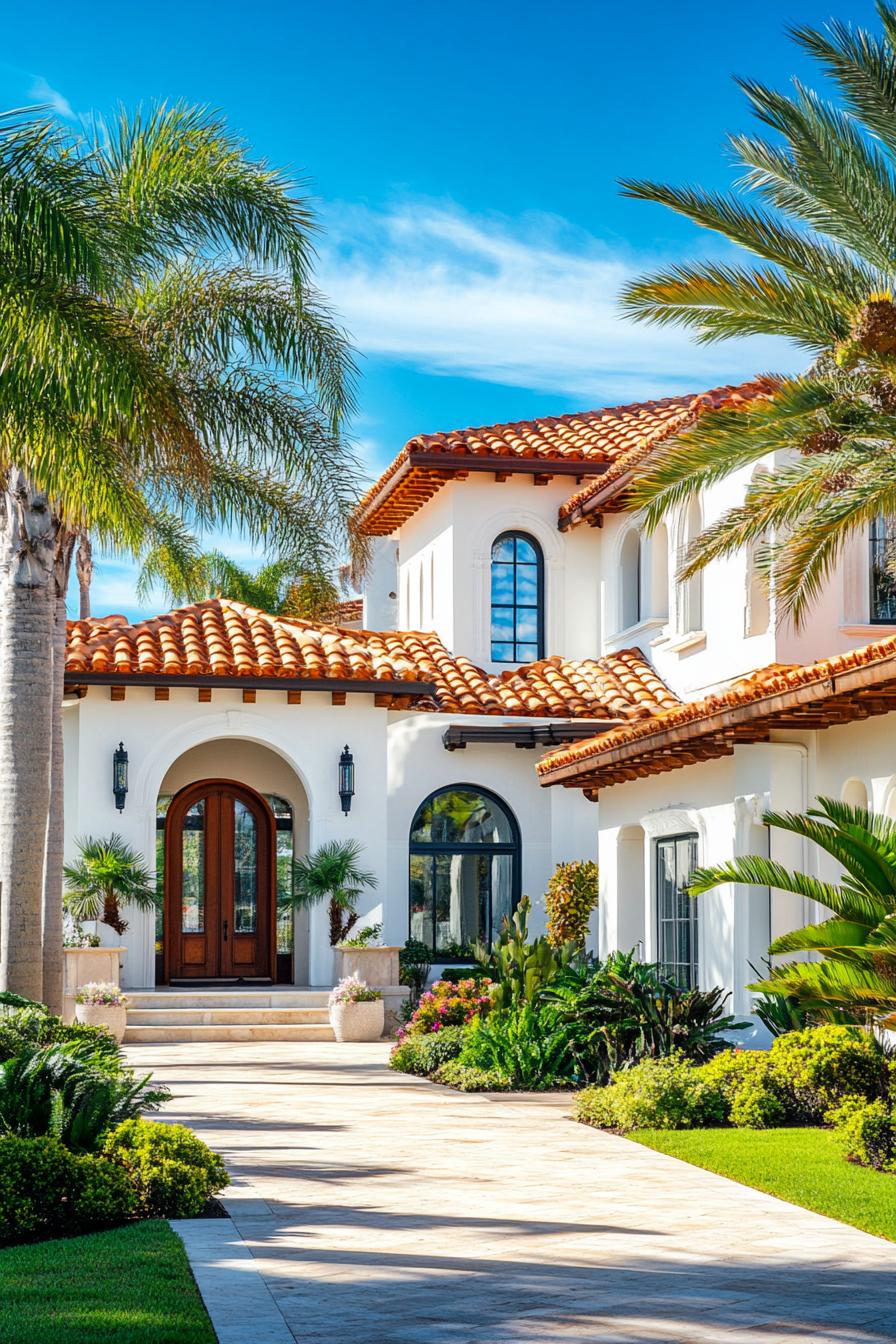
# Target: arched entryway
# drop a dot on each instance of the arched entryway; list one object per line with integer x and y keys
{"x": 220, "y": 884}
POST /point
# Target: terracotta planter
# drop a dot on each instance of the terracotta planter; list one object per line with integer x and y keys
{"x": 358, "y": 1021}
{"x": 114, "y": 1019}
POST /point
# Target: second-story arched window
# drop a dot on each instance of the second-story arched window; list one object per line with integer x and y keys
{"x": 517, "y": 599}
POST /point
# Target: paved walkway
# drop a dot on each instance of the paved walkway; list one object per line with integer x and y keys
{"x": 380, "y": 1210}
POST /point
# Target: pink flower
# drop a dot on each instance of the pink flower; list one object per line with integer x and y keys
{"x": 437, "y": 1026}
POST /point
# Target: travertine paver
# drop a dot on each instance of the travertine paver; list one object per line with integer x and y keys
{"x": 381, "y": 1209}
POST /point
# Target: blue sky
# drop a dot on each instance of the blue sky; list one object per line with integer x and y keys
{"x": 464, "y": 159}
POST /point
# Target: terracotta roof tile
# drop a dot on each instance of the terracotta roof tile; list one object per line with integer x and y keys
{"x": 597, "y": 439}
{"x": 228, "y": 639}
{"x": 815, "y": 694}
{"x": 575, "y": 508}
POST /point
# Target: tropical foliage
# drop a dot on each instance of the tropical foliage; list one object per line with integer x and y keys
{"x": 518, "y": 967}
{"x": 855, "y": 976}
{"x": 107, "y": 875}
{"x": 297, "y": 586}
{"x": 332, "y": 874}
{"x": 815, "y": 207}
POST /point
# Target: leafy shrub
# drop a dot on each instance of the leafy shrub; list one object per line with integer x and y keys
{"x": 655, "y": 1094}
{"x": 172, "y": 1171}
{"x": 521, "y": 969}
{"x": 821, "y": 1066}
{"x": 46, "y": 1190}
{"x": 72, "y": 1093}
{"x": 569, "y": 900}
{"x": 414, "y": 965}
{"x": 448, "y": 1005}
{"x": 748, "y": 1087}
{"x": 527, "y": 1045}
{"x": 423, "y": 1055}
{"x": 868, "y": 1130}
{"x": 469, "y": 1078}
{"x": 622, "y": 1010}
{"x": 24, "y": 1028}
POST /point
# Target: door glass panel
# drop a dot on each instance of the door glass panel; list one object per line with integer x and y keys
{"x": 193, "y": 887}
{"x": 245, "y": 868}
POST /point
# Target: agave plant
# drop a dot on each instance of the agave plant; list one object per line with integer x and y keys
{"x": 73, "y": 1092}
{"x": 855, "y": 980}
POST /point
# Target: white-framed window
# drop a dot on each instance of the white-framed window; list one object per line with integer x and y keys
{"x": 690, "y": 591}
{"x": 676, "y": 911}
{"x": 630, "y": 580}
{"x": 882, "y": 571}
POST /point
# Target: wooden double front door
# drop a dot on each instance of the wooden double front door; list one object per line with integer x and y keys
{"x": 220, "y": 875}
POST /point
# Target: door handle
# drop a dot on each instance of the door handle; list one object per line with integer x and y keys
{"x": 225, "y": 930}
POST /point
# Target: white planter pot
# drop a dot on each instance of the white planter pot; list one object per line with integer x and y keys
{"x": 103, "y": 1015}
{"x": 85, "y": 965}
{"x": 358, "y": 1021}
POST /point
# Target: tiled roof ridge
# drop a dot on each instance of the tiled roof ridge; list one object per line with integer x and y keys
{"x": 222, "y": 637}
{"x": 751, "y": 689}
{"x": 595, "y": 438}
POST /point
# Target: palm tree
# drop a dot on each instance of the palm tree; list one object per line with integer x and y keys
{"x": 107, "y": 875}
{"x": 816, "y": 208}
{"x": 332, "y": 874}
{"x": 165, "y": 358}
{"x": 299, "y": 586}
{"x": 856, "y": 977}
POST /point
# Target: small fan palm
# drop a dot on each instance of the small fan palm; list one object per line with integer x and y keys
{"x": 816, "y": 208}
{"x": 108, "y": 875}
{"x": 857, "y": 971}
{"x": 333, "y": 874}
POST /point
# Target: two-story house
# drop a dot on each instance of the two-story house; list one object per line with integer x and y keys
{"x": 512, "y": 606}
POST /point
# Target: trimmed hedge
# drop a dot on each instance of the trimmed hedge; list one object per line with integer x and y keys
{"x": 803, "y": 1079}
{"x": 45, "y": 1190}
{"x": 173, "y": 1173}
{"x": 423, "y": 1055}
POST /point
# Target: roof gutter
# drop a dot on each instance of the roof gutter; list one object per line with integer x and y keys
{"x": 355, "y": 685}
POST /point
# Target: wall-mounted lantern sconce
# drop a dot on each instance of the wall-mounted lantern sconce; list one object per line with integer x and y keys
{"x": 346, "y": 780}
{"x": 120, "y": 776}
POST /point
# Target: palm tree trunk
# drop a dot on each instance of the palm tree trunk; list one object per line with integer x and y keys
{"x": 28, "y": 532}
{"x": 51, "y": 926}
{"x": 84, "y": 571}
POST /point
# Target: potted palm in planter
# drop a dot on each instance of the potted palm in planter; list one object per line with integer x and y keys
{"x": 356, "y": 1011}
{"x": 102, "y": 1005}
{"x": 332, "y": 874}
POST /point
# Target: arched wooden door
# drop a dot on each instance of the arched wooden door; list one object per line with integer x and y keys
{"x": 220, "y": 875}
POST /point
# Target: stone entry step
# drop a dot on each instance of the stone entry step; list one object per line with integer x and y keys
{"x": 228, "y": 1015}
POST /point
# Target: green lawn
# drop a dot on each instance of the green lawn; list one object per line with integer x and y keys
{"x": 803, "y": 1166}
{"x": 129, "y": 1286}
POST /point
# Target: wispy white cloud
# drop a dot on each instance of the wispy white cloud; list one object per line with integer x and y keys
{"x": 531, "y": 302}
{"x": 44, "y": 93}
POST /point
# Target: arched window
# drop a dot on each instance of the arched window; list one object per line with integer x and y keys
{"x": 630, "y": 580}
{"x": 659, "y": 573}
{"x": 690, "y": 591}
{"x": 464, "y": 869}
{"x": 517, "y": 599}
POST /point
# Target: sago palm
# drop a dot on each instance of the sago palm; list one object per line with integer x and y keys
{"x": 166, "y": 361}
{"x": 815, "y": 206}
{"x": 857, "y": 944}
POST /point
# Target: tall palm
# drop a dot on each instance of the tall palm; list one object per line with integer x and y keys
{"x": 289, "y": 586}
{"x": 857, "y": 944}
{"x": 816, "y": 208}
{"x": 166, "y": 359}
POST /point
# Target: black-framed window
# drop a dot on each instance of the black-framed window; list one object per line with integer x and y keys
{"x": 463, "y": 869}
{"x": 676, "y": 911}
{"x": 517, "y": 599}
{"x": 882, "y": 571}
